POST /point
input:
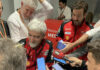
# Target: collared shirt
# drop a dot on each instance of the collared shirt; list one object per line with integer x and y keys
{"x": 66, "y": 12}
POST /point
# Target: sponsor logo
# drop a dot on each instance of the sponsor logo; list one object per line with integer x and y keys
{"x": 45, "y": 53}
{"x": 67, "y": 37}
{"x": 67, "y": 28}
{"x": 68, "y": 33}
{"x": 28, "y": 63}
{"x": 51, "y": 30}
{"x": 51, "y": 35}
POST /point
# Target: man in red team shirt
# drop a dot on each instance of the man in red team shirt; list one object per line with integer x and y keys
{"x": 36, "y": 46}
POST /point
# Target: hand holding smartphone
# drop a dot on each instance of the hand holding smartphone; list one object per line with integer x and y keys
{"x": 60, "y": 60}
{"x": 61, "y": 45}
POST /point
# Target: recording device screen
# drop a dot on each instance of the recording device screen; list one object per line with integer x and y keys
{"x": 60, "y": 60}
{"x": 57, "y": 67}
{"x": 41, "y": 63}
{"x": 61, "y": 45}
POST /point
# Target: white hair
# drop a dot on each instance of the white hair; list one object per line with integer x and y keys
{"x": 38, "y": 26}
{"x": 31, "y": 3}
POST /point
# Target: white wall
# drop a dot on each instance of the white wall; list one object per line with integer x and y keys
{"x": 17, "y": 4}
{"x": 55, "y": 4}
{"x": 8, "y": 8}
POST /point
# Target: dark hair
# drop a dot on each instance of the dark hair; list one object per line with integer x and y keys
{"x": 81, "y": 4}
{"x": 89, "y": 17}
{"x": 94, "y": 48}
{"x": 63, "y": 1}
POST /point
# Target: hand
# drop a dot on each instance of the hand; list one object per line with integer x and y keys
{"x": 75, "y": 62}
{"x": 68, "y": 47}
{"x": 64, "y": 50}
{"x": 47, "y": 67}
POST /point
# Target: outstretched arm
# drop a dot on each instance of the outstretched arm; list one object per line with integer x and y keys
{"x": 76, "y": 43}
{"x": 46, "y": 5}
{"x": 45, "y": 10}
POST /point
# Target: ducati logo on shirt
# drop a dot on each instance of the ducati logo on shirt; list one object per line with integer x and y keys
{"x": 67, "y": 37}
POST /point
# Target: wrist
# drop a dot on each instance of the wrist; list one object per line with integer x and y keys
{"x": 63, "y": 50}
{"x": 75, "y": 44}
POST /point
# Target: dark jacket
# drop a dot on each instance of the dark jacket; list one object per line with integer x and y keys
{"x": 6, "y": 28}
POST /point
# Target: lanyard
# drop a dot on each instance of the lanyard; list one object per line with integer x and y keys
{"x": 62, "y": 12}
{"x": 22, "y": 19}
{"x": 3, "y": 30}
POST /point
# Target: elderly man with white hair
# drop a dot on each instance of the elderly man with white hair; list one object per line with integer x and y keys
{"x": 19, "y": 20}
{"x": 36, "y": 45}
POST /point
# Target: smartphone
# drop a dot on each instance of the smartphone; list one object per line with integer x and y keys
{"x": 57, "y": 67}
{"x": 41, "y": 63}
{"x": 61, "y": 45}
{"x": 60, "y": 60}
